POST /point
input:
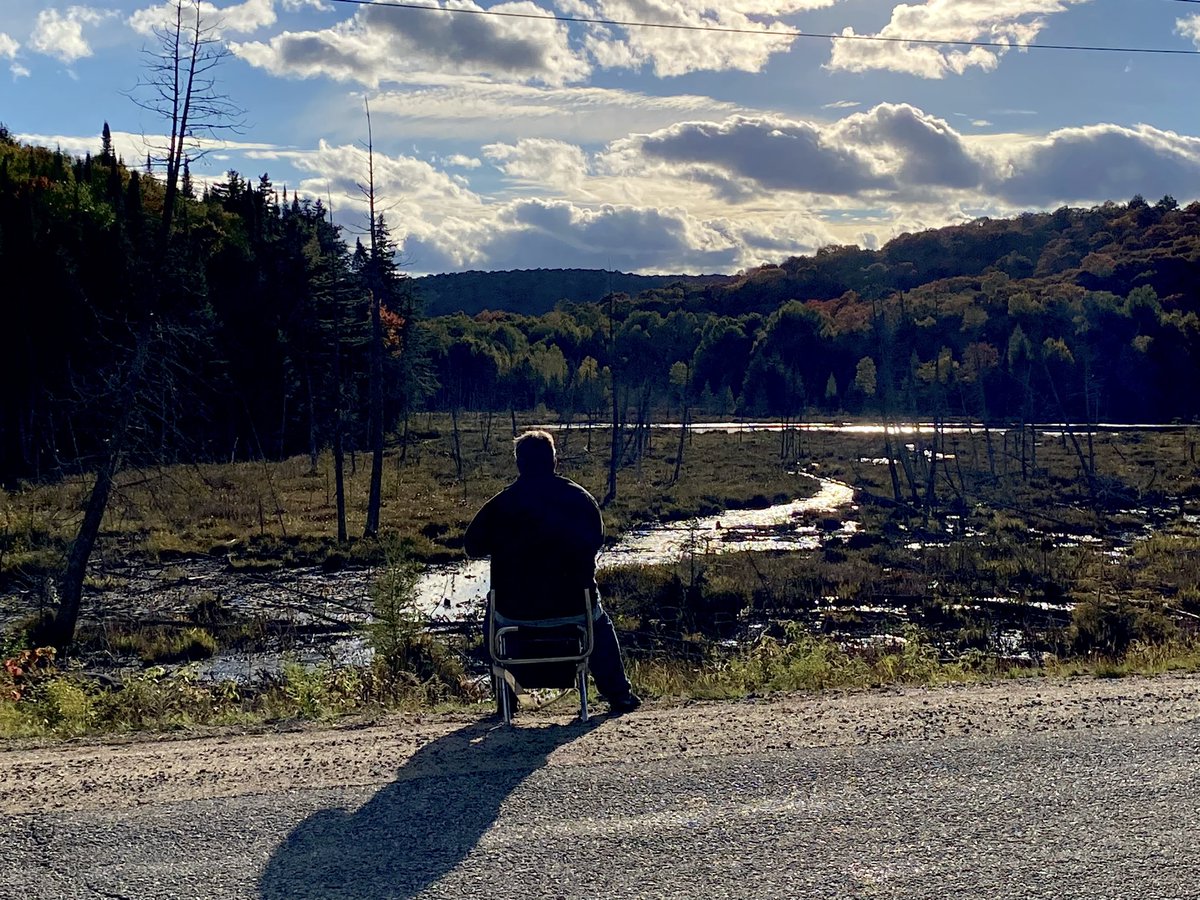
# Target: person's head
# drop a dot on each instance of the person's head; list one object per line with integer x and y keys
{"x": 534, "y": 451}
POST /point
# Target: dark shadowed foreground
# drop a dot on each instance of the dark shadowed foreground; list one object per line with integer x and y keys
{"x": 421, "y": 826}
{"x": 1082, "y": 788}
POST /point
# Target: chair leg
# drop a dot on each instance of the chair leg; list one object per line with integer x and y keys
{"x": 583, "y": 695}
{"x": 506, "y": 703}
{"x": 504, "y": 694}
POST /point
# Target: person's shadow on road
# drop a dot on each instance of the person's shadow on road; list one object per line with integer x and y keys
{"x": 419, "y": 827}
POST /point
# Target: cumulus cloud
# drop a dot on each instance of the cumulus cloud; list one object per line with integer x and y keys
{"x": 551, "y": 163}
{"x": 1189, "y": 28}
{"x": 530, "y": 233}
{"x": 61, "y": 34}
{"x": 1003, "y": 21}
{"x": 380, "y": 44}
{"x": 896, "y": 153}
{"x": 1101, "y": 162}
{"x": 688, "y": 47}
{"x": 461, "y": 161}
{"x": 771, "y": 152}
{"x": 913, "y": 147}
{"x": 237, "y": 18}
{"x": 892, "y": 148}
{"x": 8, "y": 46}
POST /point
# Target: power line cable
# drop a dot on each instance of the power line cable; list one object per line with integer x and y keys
{"x": 720, "y": 29}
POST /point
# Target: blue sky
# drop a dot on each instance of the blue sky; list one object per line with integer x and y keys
{"x": 518, "y": 143}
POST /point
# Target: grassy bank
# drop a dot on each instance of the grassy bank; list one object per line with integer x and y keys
{"x": 55, "y": 703}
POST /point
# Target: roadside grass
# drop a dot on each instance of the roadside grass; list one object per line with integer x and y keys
{"x": 60, "y": 704}
{"x": 68, "y": 702}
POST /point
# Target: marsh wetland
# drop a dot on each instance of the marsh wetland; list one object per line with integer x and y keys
{"x": 993, "y": 550}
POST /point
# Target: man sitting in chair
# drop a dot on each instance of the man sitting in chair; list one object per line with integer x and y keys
{"x": 543, "y": 532}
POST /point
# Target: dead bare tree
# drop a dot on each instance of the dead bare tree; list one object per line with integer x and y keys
{"x": 180, "y": 87}
{"x": 375, "y": 432}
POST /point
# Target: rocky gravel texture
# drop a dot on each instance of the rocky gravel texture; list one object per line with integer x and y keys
{"x": 1035, "y": 788}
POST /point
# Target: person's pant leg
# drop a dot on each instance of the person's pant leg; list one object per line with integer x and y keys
{"x": 605, "y": 662}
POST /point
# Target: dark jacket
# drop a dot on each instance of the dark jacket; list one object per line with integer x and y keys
{"x": 542, "y": 533}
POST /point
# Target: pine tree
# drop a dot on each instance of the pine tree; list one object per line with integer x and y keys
{"x": 186, "y": 188}
{"x": 106, "y": 146}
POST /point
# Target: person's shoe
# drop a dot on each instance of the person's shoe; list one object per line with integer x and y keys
{"x": 625, "y": 704}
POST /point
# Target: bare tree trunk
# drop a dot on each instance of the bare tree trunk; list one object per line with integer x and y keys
{"x": 890, "y": 450}
{"x": 614, "y": 457}
{"x": 375, "y": 497}
{"x": 683, "y": 430}
{"x": 66, "y": 617}
{"x": 939, "y": 443}
{"x": 313, "y": 446}
{"x": 458, "y": 460}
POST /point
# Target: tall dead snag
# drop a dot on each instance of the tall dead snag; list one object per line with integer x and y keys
{"x": 376, "y": 286}
{"x": 179, "y": 87}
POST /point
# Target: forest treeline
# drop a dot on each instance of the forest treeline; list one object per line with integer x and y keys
{"x": 536, "y": 291}
{"x": 261, "y": 325}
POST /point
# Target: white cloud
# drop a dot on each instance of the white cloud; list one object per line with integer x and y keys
{"x": 381, "y": 44}
{"x": 18, "y": 71}
{"x": 236, "y": 18}
{"x": 1003, "y": 21}
{"x": 461, "y": 161}
{"x": 133, "y": 147}
{"x": 443, "y": 225}
{"x": 531, "y": 233}
{"x": 898, "y": 154}
{"x": 1189, "y": 27}
{"x": 689, "y": 47}
{"x": 841, "y": 104}
{"x": 1100, "y": 162}
{"x": 8, "y": 46}
{"x": 551, "y": 163}
{"x": 407, "y": 189}
{"x": 61, "y": 35}
{"x": 508, "y": 112}
{"x": 916, "y": 149}
{"x": 744, "y": 155}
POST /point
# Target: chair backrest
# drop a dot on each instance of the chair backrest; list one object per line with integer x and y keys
{"x": 548, "y": 640}
{"x": 538, "y": 603}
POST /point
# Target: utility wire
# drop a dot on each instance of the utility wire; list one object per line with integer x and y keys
{"x": 719, "y": 29}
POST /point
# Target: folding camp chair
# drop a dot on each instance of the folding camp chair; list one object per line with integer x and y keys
{"x": 539, "y": 653}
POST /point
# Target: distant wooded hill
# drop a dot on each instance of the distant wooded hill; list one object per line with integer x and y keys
{"x": 537, "y": 291}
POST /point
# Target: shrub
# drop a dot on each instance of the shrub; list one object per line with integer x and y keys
{"x": 408, "y": 660}
{"x": 1110, "y": 627}
{"x": 166, "y": 644}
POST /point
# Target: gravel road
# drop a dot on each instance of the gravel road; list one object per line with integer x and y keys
{"x": 1075, "y": 788}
